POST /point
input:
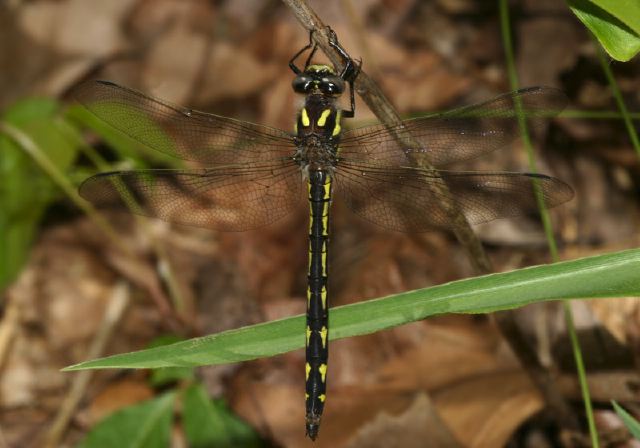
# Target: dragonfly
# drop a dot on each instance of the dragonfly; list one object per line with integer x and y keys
{"x": 236, "y": 175}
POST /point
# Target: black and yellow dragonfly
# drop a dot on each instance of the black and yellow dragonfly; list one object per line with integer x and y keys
{"x": 241, "y": 176}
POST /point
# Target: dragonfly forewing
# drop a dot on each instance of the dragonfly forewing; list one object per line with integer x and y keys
{"x": 183, "y": 133}
{"x": 225, "y": 198}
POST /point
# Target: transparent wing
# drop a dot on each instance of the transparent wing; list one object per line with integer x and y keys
{"x": 229, "y": 198}
{"x": 183, "y": 133}
{"x": 404, "y": 199}
{"x": 453, "y": 136}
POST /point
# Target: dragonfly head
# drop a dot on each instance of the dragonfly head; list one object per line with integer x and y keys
{"x": 318, "y": 79}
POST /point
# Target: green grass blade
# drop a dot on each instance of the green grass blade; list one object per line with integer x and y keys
{"x": 548, "y": 228}
{"x": 609, "y": 275}
{"x": 631, "y": 423}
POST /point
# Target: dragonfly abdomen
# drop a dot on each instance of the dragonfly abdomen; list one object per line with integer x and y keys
{"x": 317, "y": 331}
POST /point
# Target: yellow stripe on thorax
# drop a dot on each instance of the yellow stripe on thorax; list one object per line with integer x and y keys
{"x": 337, "y": 129}
{"x": 305, "y": 117}
{"x": 323, "y": 117}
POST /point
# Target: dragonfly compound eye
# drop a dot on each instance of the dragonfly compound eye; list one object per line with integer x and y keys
{"x": 331, "y": 85}
{"x": 302, "y": 84}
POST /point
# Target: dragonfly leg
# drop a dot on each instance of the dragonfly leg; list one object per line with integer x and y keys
{"x": 308, "y": 61}
{"x": 313, "y": 46}
{"x": 349, "y": 73}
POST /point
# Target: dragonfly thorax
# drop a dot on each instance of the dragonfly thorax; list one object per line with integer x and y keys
{"x": 315, "y": 156}
{"x": 318, "y": 133}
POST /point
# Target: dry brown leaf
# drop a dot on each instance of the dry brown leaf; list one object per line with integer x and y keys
{"x": 116, "y": 396}
{"x": 76, "y": 27}
{"x": 620, "y": 316}
{"x": 62, "y": 293}
{"x": 173, "y": 64}
{"x": 419, "y": 426}
{"x": 485, "y": 410}
{"x": 604, "y": 386}
{"x": 62, "y": 40}
{"x": 233, "y": 72}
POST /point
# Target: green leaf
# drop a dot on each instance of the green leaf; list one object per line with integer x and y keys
{"x": 609, "y": 275}
{"x": 210, "y": 424}
{"x": 615, "y": 23}
{"x": 627, "y": 11}
{"x": 25, "y": 190}
{"x": 166, "y": 375}
{"x": 145, "y": 425}
{"x": 631, "y": 423}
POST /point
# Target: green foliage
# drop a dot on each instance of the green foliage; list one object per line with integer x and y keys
{"x": 615, "y": 23}
{"x": 207, "y": 424}
{"x": 609, "y": 275}
{"x": 145, "y": 425}
{"x": 167, "y": 375}
{"x": 210, "y": 423}
{"x": 25, "y": 191}
{"x": 631, "y": 423}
